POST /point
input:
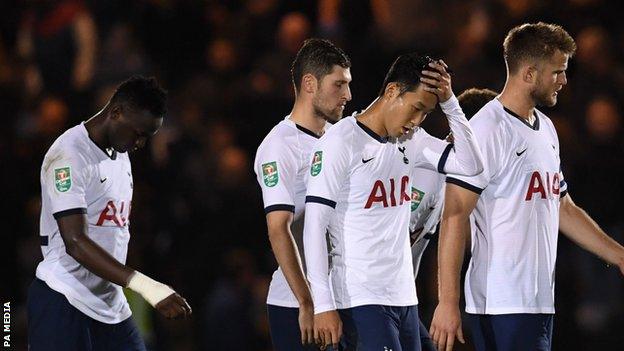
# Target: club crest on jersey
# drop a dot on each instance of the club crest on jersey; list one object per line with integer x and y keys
{"x": 62, "y": 179}
{"x": 317, "y": 163}
{"x": 269, "y": 174}
{"x": 417, "y": 197}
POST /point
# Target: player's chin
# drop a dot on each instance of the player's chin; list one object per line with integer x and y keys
{"x": 552, "y": 101}
{"x": 335, "y": 116}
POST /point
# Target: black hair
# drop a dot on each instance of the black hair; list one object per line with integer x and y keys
{"x": 141, "y": 94}
{"x": 406, "y": 70}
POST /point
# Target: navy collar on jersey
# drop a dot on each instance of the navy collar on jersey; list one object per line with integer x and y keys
{"x": 370, "y": 132}
{"x": 307, "y": 131}
{"x": 535, "y": 125}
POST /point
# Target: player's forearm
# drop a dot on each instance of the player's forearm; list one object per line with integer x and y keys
{"x": 451, "y": 247}
{"x": 577, "y": 225}
{"x": 287, "y": 256}
{"x": 315, "y": 248}
{"x": 467, "y": 159}
{"x": 97, "y": 260}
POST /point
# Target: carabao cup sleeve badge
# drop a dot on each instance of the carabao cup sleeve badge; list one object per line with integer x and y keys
{"x": 270, "y": 174}
{"x": 317, "y": 163}
{"x": 62, "y": 179}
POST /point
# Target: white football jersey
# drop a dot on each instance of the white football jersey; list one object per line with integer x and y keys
{"x": 282, "y": 167}
{"x": 79, "y": 177}
{"x": 366, "y": 179}
{"x": 516, "y": 220}
{"x": 426, "y": 209}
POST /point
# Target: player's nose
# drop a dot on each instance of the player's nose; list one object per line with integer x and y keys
{"x": 348, "y": 94}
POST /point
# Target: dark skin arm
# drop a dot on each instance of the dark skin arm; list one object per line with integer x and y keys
{"x": 73, "y": 229}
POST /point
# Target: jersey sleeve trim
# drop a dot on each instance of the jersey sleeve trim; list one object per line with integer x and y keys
{"x": 279, "y": 207}
{"x": 464, "y": 185}
{"x": 563, "y": 194}
{"x": 320, "y": 200}
{"x": 71, "y": 211}
{"x": 444, "y": 157}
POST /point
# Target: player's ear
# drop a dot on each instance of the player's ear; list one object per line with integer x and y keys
{"x": 309, "y": 83}
{"x": 392, "y": 90}
{"x": 115, "y": 112}
{"x": 529, "y": 74}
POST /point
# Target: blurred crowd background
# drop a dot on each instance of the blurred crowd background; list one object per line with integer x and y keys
{"x": 197, "y": 221}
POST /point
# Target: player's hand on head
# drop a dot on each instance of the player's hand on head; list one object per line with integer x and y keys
{"x": 327, "y": 329}
{"x": 446, "y": 326}
{"x": 437, "y": 80}
{"x": 174, "y": 306}
{"x": 306, "y": 323}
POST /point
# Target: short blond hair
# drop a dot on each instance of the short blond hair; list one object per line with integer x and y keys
{"x": 535, "y": 42}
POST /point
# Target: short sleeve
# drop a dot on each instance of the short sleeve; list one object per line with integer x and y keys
{"x": 491, "y": 141}
{"x": 276, "y": 172}
{"x": 329, "y": 168}
{"x": 64, "y": 179}
{"x": 563, "y": 185}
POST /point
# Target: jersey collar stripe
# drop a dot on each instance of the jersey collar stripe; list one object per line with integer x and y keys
{"x": 464, "y": 185}
{"x": 535, "y": 125}
{"x": 320, "y": 200}
{"x": 307, "y": 131}
{"x": 444, "y": 157}
{"x": 374, "y": 135}
{"x": 279, "y": 207}
{"x": 71, "y": 211}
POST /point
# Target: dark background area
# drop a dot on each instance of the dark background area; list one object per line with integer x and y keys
{"x": 197, "y": 221}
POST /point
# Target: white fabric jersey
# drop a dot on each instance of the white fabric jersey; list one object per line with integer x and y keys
{"x": 366, "y": 178}
{"x": 79, "y": 177}
{"x": 282, "y": 168}
{"x": 514, "y": 242}
{"x": 426, "y": 208}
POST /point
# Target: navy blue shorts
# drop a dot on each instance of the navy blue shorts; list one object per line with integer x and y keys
{"x": 285, "y": 332}
{"x": 54, "y": 324}
{"x": 511, "y": 332}
{"x": 426, "y": 344}
{"x": 378, "y": 328}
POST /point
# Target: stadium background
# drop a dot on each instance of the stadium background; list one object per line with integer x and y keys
{"x": 197, "y": 220}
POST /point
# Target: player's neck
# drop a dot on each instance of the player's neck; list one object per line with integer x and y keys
{"x": 303, "y": 115}
{"x": 517, "y": 100}
{"x": 373, "y": 118}
{"x": 96, "y": 129}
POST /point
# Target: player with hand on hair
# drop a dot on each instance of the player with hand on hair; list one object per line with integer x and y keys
{"x": 358, "y": 193}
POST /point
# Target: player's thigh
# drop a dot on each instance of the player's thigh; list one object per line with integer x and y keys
{"x": 409, "y": 327}
{"x": 54, "y": 324}
{"x": 481, "y": 331}
{"x": 123, "y": 336}
{"x": 370, "y": 328}
{"x": 520, "y": 332}
{"x": 426, "y": 343}
{"x": 284, "y": 328}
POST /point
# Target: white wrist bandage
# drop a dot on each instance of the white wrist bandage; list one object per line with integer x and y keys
{"x": 151, "y": 290}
